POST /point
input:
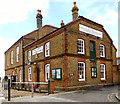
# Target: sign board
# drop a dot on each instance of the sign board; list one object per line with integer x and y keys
{"x": 56, "y": 73}
{"x": 71, "y": 74}
{"x": 37, "y": 50}
{"x": 91, "y": 31}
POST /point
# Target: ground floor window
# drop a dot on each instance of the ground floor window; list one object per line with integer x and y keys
{"x": 29, "y": 74}
{"x": 20, "y": 75}
{"x": 47, "y": 72}
{"x": 102, "y": 68}
{"x": 93, "y": 72}
{"x": 81, "y": 71}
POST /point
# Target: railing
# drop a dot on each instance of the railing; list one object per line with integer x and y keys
{"x": 28, "y": 86}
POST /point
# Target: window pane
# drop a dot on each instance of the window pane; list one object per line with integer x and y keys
{"x": 81, "y": 70}
{"x": 80, "y": 46}
{"x": 47, "y": 50}
{"x": 47, "y": 72}
{"x": 102, "y": 52}
{"x": 102, "y": 67}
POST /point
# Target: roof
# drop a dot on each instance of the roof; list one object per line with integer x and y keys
{"x": 29, "y": 34}
{"x": 50, "y": 26}
{"x": 70, "y": 23}
{"x": 15, "y": 43}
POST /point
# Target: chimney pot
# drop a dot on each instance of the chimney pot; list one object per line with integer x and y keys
{"x": 62, "y": 23}
{"x": 74, "y": 3}
{"x": 75, "y": 11}
{"x": 39, "y": 11}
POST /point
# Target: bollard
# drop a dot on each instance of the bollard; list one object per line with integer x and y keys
{"x": 48, "y": 87}
{"x": 8, "y": 89}
{"x": 32, "y": 90}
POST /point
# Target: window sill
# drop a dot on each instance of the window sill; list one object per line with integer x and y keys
{"x": 103, "y": 79}
{"x": 81, "y": 80}
{"x": 81, "y": 53}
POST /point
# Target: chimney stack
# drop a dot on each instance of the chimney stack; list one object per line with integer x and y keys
{"x": 62, "y": 24}
{"x": 39, "y": 19}
{"x": 75, "y": 12}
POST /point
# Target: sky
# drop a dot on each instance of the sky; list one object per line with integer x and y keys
{"x": 18, "y": 17}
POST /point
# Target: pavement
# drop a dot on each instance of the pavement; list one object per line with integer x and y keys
{"x": 104, "y": 94}
{"x": 117, "y": 97}
{"x": 1, "y": 94}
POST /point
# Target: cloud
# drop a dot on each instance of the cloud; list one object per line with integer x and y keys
{"x": 17, "y": 10}
{"x": 7, "y": 43}
{"x": 110, "y": 18}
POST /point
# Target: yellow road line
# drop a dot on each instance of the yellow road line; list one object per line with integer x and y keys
{"x": 65, "y": 93}
{"x": 110, "y": 97}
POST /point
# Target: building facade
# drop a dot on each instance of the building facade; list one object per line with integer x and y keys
{"x": 76, "y": 54}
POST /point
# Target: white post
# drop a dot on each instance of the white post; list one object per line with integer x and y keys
{"x": 32, "y": 90}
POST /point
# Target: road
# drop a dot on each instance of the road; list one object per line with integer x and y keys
{"x": 104, "y": 94}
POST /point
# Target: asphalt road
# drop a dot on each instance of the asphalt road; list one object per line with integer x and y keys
{"x": 104, "y": 94}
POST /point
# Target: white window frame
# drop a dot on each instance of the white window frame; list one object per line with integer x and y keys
{"x": 20, "y": 75}
{"x": 103, "y": 51}
{"x": 7, "y": 60}
{"x": 29, "y": 55}
{"x": 47, "y": 49}
{"x": 11, "y": 57}
{"x": 103, "y": 70}
{"x": 29, "y": 74}
{"x": 17, "y": 54}
{"x": 47, "y": 72}
{"x": 82, "y": 47}
{"x": 12, "y": 72}
{"x": 83, "y": 79}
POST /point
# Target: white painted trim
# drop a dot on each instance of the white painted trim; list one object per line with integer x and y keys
{"x": 84, "y": 72}
{"x": 104, "y": 71}
{"x": 83, "y": 46}
{"x": 103, "y": 50}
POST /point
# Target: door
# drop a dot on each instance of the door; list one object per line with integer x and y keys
{"x": 92, "y": 50}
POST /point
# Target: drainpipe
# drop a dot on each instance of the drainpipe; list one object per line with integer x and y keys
{"x": 23, "y": 59}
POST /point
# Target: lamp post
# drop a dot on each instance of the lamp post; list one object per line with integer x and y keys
{"x": 8, "y": 88}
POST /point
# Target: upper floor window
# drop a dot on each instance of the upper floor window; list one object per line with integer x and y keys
{"x": 80, "y": 45}
{"x": 102, "y": 50}
{"x": 7, "y": 60}
{"x": 29, "y": 55}
{"x": 20, "y": 75}
{"x": 47, "y": 49}
{"x": 17, "y": 54}
{"x": 102, "y": 68}
{"x": 81, "y": 71}
{"x": 11, "y": 57}
{"x": 29, "y": 74}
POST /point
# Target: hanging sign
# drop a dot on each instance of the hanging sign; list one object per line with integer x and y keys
{"x": 37, "y": 50}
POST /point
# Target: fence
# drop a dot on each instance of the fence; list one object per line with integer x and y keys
{"x": 37, "y": 86}
{"x": 27, "y": 86}
{"x": 5, "y": 85}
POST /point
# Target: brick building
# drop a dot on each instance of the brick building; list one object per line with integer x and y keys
{"x": 78, "y": 53}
